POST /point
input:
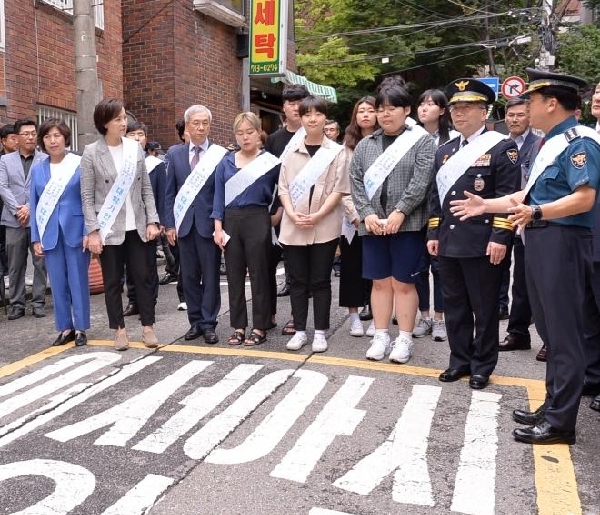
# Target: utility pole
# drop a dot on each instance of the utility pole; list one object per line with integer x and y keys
{"x": 548, "y": 37}
{"x": 86, "y": 71}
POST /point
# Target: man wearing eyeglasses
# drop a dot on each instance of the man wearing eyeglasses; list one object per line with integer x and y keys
{"x": 14, "y": 190}
{"x": 518, "y": 338}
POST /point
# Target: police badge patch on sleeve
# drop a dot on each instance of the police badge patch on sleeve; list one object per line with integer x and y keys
{"x": 579, "y": 160}
{"x": 513, "y": 155}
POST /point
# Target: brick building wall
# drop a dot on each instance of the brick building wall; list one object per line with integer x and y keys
{"x": 38, "y": 65}
{"x": 175, "y": 57}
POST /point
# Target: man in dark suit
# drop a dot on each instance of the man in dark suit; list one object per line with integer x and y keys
{"x": 517, "y": 121}
{"x": 470, "y": 254}
{"x": 199, "y": 256}
{"x": 15, "y": 184}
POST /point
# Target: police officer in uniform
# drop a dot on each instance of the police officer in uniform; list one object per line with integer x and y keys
{"x": 470, "y": 252}
{"x": 556, "y": 209}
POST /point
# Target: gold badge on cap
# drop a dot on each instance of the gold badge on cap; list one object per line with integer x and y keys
{"x": 479, "y": 183}
{"x": 579, "y": 160}
{"x": 513, "y": 155}
{"x": 462, "y": 85}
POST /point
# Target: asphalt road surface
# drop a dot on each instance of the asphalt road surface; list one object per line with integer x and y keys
{"x": 196, "y": 429}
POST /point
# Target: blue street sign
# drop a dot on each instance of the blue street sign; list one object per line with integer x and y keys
{"x": 492, "y": 82}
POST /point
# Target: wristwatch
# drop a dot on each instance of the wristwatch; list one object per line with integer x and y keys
{"x": 537, "y": 212}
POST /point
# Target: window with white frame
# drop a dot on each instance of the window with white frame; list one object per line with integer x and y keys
{"x": 2, "y": 26}
{"x": 70, "y": 118}
{"x": 67, "y": 7}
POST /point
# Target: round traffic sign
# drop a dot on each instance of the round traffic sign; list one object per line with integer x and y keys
{"x": 513, "y": 87}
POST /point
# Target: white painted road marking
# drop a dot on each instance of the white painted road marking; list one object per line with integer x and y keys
{"x": 403, "y": 451}
{"x": 141, "y": 497}
{"x": 476, "y": 476}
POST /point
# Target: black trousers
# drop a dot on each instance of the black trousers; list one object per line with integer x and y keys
{"x": 470, "y": 287}
{"x": 275, "y": 256}
{"x": 248, "y": 249}
{"x": 558, "y": 267}
{"x": 309, "y": 268}
{"x": 131, "y": 293}
{"x": 520, "y": 310}
{"x": 354, "y": 290}
{"x": 503, "y": 299}
{"x": 592, "y": 328}
{"x": 133, "y": 253}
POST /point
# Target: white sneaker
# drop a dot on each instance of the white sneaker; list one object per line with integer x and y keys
{"x": 182, "y": 306}
{"x": 439, "y": 331}
{"x": 423, "y": 327}
{"x": 356, "y": 328}
{"x": 380, "y": 345}
{"x": 319, "y": 343}
{"x": 370, "y": 330}
{"x": 401, "y": 349}
{"x": 297, "y": 341}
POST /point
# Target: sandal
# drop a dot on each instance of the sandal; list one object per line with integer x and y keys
{"x": 255, "y": 338}
{"x": 237, "y": 338}
{"x": 289, "y": 329}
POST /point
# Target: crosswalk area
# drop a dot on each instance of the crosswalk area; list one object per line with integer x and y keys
{"x": 98, "y": 432}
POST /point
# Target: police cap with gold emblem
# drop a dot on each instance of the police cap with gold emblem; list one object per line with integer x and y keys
{"x": 539, "y": 79}
{"x": 469, "y": 90}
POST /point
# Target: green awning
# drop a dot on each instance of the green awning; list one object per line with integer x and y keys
{"x": 318, "y": 90}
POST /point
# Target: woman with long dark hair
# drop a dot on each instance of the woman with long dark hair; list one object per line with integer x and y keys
{"x": 354, "y": 292}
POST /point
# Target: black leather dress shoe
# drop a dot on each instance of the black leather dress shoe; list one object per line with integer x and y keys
{"x": 16, "y": 312}
{"x": 131, "y": 310}
{"x": 64, "y": 338}
{"x": 514, "y": 342}
{"x": 541, "y": 355}
{"x": 80, "y": 339}
{"x": 595, "y": 404}
{"x": 530, "y": 418}
{"x": 453, "y": 374}
{"x": 193, "y": 333}
{"x": 366, "y": 313}
{"x": 284, "y": 292}
{"x": 478, "y": 382}
{"x": 590, "y": 389}
{"x": 543, "y": 433}
{"x": 210, "y": 337}
{"x": 503, "y": 313}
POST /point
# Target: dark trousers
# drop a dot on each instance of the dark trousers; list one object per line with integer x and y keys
{"x": 470, "y": 287}
{"x": 309, "y": 268}
{"x": 423, "y": 290}
{"x": 249, "y": 248}
{"x": 200, "y": 259}
{"x": 354, "y": 291}
{"x": 520, "y": 310}
{"x": 592, "y": 328}
{"x": 133, "y": 254}
{"x": 503, "y": 299}
{"x": 275, "y": 256}
{"x": 558, "y": 267}
{"x": 131, "y": 294}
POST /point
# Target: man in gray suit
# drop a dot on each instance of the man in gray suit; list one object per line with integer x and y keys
{"x": 15, "y": 180}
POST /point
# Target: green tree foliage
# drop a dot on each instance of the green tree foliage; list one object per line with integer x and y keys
{"x": 341, "y": 42}
{"x": 579, "y": 52}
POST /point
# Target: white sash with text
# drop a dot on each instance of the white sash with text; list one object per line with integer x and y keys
{"x": 120, "y": 189}
{"x": 305, "y": 180}
{"x": 195, "y": 180}
{"x": 294, "y": 143}
{"x": 248, "y": 175}
{"x": 452, "y": 169}
{"x": 385, "y": 163}
{"x": 54, "y": 190}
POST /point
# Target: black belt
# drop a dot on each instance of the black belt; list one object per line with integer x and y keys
{"x": 534, "y": 224}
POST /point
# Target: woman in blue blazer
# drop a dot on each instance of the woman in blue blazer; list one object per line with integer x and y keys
{"x": 58, "y": 231}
